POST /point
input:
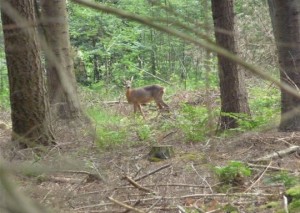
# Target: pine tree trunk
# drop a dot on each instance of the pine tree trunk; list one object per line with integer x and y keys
{"x": 60, "y": 73}
{"x": 29, "y": 105}
{"x": 232, "y": 86}
{"x": 285, "y": 17}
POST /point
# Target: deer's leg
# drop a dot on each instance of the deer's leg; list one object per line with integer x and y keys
{"x": 140, "y": 109}
{"x": 159, "y": 105}
{"x": 164, "y": 104}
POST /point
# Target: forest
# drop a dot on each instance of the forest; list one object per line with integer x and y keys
{"x": 188, "y": 106}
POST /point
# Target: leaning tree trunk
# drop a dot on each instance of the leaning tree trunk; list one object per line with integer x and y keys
{"x": 59, "y": 62}
{"x": 285, "y": 17}
{"x": 232, "y": 86}
{"x": 29, "y": 105}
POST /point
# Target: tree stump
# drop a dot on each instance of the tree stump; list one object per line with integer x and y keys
{"x": 161, "y": 152}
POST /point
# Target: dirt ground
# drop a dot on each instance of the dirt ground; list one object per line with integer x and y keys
{"x": 78, "y": 177}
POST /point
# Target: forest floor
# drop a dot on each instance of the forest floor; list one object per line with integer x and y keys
{"x": 79, "y": 177}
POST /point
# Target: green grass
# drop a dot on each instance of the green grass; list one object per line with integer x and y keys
{"x": 110, "y": 129}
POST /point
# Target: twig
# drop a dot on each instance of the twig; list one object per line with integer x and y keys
{"x": 258, "y": 179}
{"x": 135, "y": 204}
{"x": 152, "y": 172}
{"x": 150, "y": 185}
{"x": 157, "y": 77}
{"x": 125, "y": 205}
{"x": 135, "y": 184}
{"x": 46, "y": 195}
{"x": 153, "y": 205}
{"x": 167, "y": 135}
{"x": 181, "y": 209}
{"x": 61, "y": 180}
{"x": 204, "y": 180}
{"x": 168, "y": 184}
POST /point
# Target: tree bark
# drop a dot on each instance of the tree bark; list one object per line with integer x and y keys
{"x": 29, "y": 105}
{"x": 59, "y": 62}
{"x": 232, "y": 86}
{"x": 285, "y": 16}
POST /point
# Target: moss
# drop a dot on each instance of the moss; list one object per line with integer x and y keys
{"x": 194, "y": 157}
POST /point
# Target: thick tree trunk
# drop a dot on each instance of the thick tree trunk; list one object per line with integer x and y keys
{"x": 232, "y": 86}
{"x": 285, "y": 17}
{"x": 29, "y": 105}
{"x": 61, "y": 78}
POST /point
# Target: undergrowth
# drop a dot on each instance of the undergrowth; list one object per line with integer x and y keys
{"x": 193, "y": 121}
{"x": 110, "y": 129}
{"x": 233, "y": 174}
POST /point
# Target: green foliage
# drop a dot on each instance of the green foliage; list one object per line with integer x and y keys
{"x": 232, "y": 173}
{"x": 4, "y": 98}
{"x": 244, "y": 121}
{"x": 265, "y": 104}
{"x": 106, "y": 91}
{"x": 265, "y": 109}
{"x": 144, "y": 132}
{"x": 109, "y": 131}
{"x": 125, "y": 48}
{"x": 294, "y": 194}
{"x": 229, "y": 208}
{"x": 283, "y": 177}
{"x": 193, "y": 122}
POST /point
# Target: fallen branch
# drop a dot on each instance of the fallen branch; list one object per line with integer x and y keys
{"x": 278, "y": 154}
{"x": 152, "y": 172}
{"x": 125, "y": 205}
{"x": 135, "y": 184}
{"x": 270, "y": 167}
{"x": 91, "y": 176}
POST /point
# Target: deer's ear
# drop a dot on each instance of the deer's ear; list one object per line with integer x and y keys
{"x": 131, "y": 78}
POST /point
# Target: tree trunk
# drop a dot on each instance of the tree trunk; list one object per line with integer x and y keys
{"x": 29, "y": 105}
{"x": 232, "y": 86}
{"x": 59, "y": 62}
{"x": 285, "y": 17}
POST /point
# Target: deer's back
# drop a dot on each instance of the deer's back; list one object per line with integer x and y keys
{"x": 145, "y": 94}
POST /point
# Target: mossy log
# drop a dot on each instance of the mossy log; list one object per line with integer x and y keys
{"x": 161, "y": 152}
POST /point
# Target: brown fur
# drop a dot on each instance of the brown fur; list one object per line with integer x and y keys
{"x": 145, "y": 95}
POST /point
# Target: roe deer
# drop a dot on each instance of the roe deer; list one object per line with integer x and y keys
{"x": 145, "y": 95}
